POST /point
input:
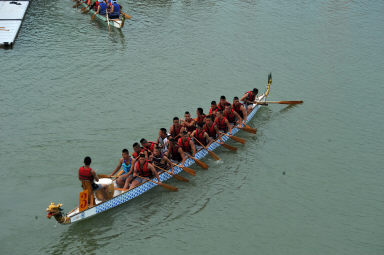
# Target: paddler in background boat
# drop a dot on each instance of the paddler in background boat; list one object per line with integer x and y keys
{"x": 222, "y": 123}
{"x": 115, "y": 10}
{"x": 93, "y": 4}
{"x": 186, "y": 144}
{"x": 175, "y": 153}
{"x": 188, "y": 123}
{"x": 240, "y": 109}
{"x": 175, "y": 128}
{"x": 232, "y": 116}
{"x": 87, "y": 176}
{"x": 162, "y": 140}
{"x": 102, "y": 8}
{"x": 160, "y": 161}
{"x": 249, "y": 99}
{"x": 213, "y": 110}
{"x": 202, "y": 136}
{"x": 200, "y": 119}
{"x": 145, "y": 169}
{"x": 126, "y": 162}
{"x": 222, "y": 103}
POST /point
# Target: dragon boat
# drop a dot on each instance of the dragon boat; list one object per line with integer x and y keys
{"x": 120, "y": 197}
{"x": 117, "y": 23}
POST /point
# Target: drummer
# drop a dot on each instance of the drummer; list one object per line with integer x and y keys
{"x": 87, "y": 176}
{"x": 126, "y": 177}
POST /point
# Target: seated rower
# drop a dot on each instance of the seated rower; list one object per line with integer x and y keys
{"x": 213, "y": 110}
{"x": 202, "y": 136}
{"x": 149, "y": 146}
{"x": 210, "y": 128}
{"x": 102, "y": 8}
{"x": 188, "y": 123}
{"x": 222, "y": 103}
{"x": 175, "y": 128}
{"x": 175, "y": 153}
{"x": 87, "y": 176}
{"x": 200, "y": 119}
{"x": 137, "y": 150}
{"x": 162, "y": 140}
{"x": 115, "y": 10}
{"x": 143, "y": 168}
{"x": 160, "y": 161}
{"x": 249, "y": 99}
{"x": 232, "y": 116}
{"x": 222, "y": 123}
{"x": 126, "y": 177}
{"x": 239, "y": 108}
{"x": 186, "y": 144}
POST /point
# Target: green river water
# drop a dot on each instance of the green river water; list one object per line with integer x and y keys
{"x": 69, "y": 88}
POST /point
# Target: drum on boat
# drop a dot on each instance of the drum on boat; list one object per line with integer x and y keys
{"x": 107, "y": 193}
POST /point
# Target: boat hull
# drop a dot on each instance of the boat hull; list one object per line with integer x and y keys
{"x": 114, "y": 23}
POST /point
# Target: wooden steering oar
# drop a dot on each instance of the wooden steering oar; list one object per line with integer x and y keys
{"x": 280, "y": 102}
{"x": 235, "y": 138}
{"x": 179, "y": 177}
{"x": 126, "y": 15}
{"x": 186, "y": 169}
{"x": 211, "y": 153}
{"x": 167, "y": 186}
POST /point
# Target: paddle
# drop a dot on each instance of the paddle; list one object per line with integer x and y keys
{"x": 186, "y": 169}
{"x": 126, "y": 15}
{"x": 229, "y": 147}
{"x": 248, "y": 129}
{"x": 85, "y": 9}
{"x": 109, "y": 27}
{"x": 199, "y": 162}
{"x": 167, "y": 186}
{"x": 235, "y": 138}
{"x": 93, "y": 16}
{"x": 280, "y": 102}
{"x": 179, "y": 177}
{"x": 211, "y": 153}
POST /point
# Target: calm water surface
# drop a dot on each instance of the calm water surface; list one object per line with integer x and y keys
{"x": 69, "y": 88}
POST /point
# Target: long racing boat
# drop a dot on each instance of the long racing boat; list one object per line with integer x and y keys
{"x": 117, "y": 23}
{"x": 121, "y": 197}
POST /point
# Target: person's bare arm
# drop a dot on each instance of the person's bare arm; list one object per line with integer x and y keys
{"x": 193, "y": 148}
{"x": 239, "y": 119}
{"x": 229, "y": 126}
{"x": 93, "y": 172}
{"x": 245, "y": 115}
{"x": 118, "y": 166}
{"x": 154, "y": 172}
{"x": 181, "y": 152}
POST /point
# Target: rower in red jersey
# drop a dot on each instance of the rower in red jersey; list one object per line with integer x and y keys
{"x": 210, "y": 128}
{"x": 175, "y": 152}
{"x": 200, "y": 119}
{"x": 222, "y": 123}
{"x": 223, "y": 102}
{"x": 202, "y": 136}
{"x": 175, "y": 129}
{"x": 144, "y": 169}
{"x": 149, "y": 146}
{"x": 240, "y": 109}
{"x": 232, "y": 116}
{"x": 213, "y": 110}
{"x": 249, "y": 99}
{"x": 188, "y": 123}
{"x": 187, "y": 145}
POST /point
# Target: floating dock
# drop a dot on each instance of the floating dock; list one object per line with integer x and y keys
{"x": 11, "y": 16}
